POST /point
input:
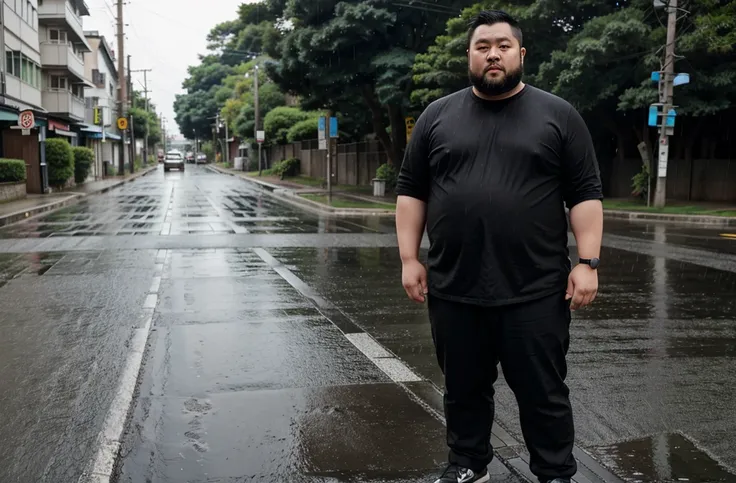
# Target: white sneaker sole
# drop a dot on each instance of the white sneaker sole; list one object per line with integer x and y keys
{"x": 485, "y": 479}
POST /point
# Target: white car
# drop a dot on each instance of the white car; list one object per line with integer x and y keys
{"x": 173, "y": 159}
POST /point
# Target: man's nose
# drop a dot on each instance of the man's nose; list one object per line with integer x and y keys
{"x": 493, "y": 54}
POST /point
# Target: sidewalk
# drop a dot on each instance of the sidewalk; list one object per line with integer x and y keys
{"x": 294, "y": 194}
{"x": 34, "y": 205}
{"x": 314, "y": 199}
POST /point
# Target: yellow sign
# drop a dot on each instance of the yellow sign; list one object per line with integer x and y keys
{"x": 122, "y": 123}
{"x": 729, "y": 235}
{"x": 409, "y": 127}
{"x": 97, "y": 116}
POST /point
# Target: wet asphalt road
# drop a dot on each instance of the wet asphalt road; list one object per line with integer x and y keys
{"x": 259, "y": 365}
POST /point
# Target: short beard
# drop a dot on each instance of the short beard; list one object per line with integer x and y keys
{"x": 510, "y": 80}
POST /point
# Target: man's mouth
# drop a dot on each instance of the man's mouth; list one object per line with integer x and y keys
{"x": 494, "y": 68}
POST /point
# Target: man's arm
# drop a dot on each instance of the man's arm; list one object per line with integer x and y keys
{"x": 586, "y": 221}
{"x": 410, "y": 222}
{"x": 411, "y": 210}
{"x": 583, "y": 194}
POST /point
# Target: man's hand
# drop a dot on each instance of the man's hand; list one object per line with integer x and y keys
{"x": 582, "y": 286}
{"x": 414, "y": 279}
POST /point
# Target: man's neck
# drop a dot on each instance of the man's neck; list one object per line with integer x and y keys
{"x": 500, "y": 97}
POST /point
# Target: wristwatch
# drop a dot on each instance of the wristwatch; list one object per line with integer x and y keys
{"x": 593, "y": 262}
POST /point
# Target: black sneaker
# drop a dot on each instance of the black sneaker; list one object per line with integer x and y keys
{"x": 458, "y": 474}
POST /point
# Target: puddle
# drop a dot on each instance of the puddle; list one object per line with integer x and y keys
{"x": 662, "y": 458}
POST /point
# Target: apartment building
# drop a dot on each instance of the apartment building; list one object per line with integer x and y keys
{"x": 21, "y": 87}
{"x": 63, "y": 47}
{"x": 100, "y": 67}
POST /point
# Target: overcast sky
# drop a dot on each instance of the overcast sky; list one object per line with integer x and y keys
{"x": 163, "y": 35}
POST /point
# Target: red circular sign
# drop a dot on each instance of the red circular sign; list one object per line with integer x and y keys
{"x": 26, "y": 120}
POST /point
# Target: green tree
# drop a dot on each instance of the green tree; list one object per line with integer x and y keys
{"x": 305, "y": 130}
{"x": 279, "y": 121}
{"x": 341, "y": 51}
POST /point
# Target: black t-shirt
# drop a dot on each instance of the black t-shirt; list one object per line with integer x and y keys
{"x": 495, "y": 176}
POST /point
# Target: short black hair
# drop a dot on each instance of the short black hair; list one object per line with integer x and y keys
{"x": 492, "y": 17}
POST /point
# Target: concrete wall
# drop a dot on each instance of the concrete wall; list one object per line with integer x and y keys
{"x": 12, "y": 191}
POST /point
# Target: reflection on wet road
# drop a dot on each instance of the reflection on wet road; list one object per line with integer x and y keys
{"x": 283, "y": 348}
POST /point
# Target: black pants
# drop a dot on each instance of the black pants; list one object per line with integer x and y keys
{"x": 530, "y": 340}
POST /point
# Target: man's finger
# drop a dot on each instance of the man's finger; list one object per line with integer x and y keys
{"x": 577, "y": 299}
{"x": 417, "y": 292}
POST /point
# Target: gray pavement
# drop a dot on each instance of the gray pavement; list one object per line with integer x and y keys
{"x": 276, "y": 345}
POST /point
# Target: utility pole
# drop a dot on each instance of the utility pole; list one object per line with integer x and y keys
{"x": 145, "y": 92}
{"x": 258, "y": 122}
{"x": 122, "y": 91}
{"x": 131, "y": 101}
{"x": 666, "y": 93}
{"x": 329, "y": 157}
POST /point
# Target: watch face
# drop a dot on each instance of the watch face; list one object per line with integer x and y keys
{"x": 594, "y": 262}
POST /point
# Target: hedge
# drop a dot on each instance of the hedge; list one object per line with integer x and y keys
{"x": 60, "y": 161}
{"x": 12, "y": 170}
{"x": 83, "y": 159}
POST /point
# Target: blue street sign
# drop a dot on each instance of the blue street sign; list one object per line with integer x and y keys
{"x": 655, "y": 76}
{"x": 653, "y": 114}
{"x": 671, "y": 118}
{"x": 681, "y": 79}
{"x": 321, "y": 124}
{"x": 333, "y": 127}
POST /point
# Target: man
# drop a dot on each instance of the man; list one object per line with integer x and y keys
{"x": 489, "y": 170}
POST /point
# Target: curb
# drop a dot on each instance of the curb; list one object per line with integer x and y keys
{"x": 62, "y": 203}
{"x": 697, "y": 220}
{"x": 291, "y": 197}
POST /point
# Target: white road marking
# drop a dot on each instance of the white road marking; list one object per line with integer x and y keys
{"x": 110, "y": 437}
{"x": 392, "y": 366}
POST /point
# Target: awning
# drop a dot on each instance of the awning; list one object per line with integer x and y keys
{"x": 58, "y": 126}
{"x": 68, "y": 134}
{"x": 87, "y": 128}
{"x": 98, "y": 135}
{"x": 8, "y": 116}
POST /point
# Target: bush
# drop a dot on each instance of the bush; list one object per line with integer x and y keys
{"x": 12, "y": 170}
{"x": 60, "y": 161}
{"x": 303, "y": 130}
{"x": 388, "y": 173}
{"x": 640, "y": 183}
{"x": 279, "y": 121}
{"x": 83, "y": 159}
{"x": 286, "y": 168}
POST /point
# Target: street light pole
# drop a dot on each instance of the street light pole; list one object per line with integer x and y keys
{"x": 258, "y": 123}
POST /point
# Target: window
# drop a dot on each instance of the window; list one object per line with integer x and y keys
{"x": 57, "y": 36}
{"x": 25, "y": 70}
{"x": 78, "y": 90}
{"x": 58, "y": 83}
{"x": 18, "y": 65}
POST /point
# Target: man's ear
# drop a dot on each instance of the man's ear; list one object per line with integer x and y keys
{"x": 523, "y": 55}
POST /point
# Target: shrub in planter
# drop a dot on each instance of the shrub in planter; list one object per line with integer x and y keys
{"x": 287, "y": 168}
{"x": 83, "y": 159}
{"x": 12, "y": 170}
{"x": 388, "y": 173}
{"x": 60, "y": 161}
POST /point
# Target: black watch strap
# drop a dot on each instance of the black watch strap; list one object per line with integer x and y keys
{"x": 592, "y": 262}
